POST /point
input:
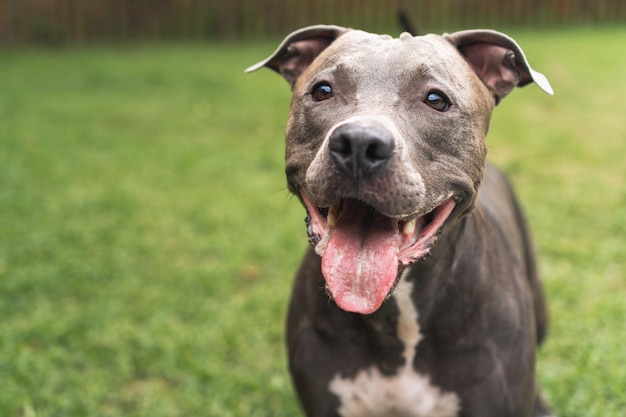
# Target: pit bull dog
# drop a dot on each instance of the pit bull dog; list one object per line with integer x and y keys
{"x": 420, "y": 295}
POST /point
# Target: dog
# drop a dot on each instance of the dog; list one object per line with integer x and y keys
{"x": 420, "y": 295}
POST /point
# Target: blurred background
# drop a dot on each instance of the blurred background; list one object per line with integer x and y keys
{"x": 55, "y": 21}
{"x": 147, "y": 238}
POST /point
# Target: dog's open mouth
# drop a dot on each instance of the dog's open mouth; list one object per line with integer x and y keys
{"x": 362, "y": 249}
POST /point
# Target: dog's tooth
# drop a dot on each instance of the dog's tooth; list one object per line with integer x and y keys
{"x": 333, "y": 213}
{"x": 409, "y": 227}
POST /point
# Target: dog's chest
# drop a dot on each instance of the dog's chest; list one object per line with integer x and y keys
{"x": 406, "y": 394}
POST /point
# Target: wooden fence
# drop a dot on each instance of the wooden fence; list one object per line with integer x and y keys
{"x": 56, "y": 21}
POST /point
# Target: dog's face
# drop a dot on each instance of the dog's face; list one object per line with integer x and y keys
{"x": 385, "y": 145}
{"x": 409, "y": 89}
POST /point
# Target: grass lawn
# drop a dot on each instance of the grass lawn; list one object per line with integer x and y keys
{"x": 147, "y": 240}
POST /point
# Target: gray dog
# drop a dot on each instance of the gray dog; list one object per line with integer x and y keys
{"x": 420, "y": 295}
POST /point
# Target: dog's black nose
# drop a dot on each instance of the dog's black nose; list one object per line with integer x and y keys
{"x": 360, "y": 150}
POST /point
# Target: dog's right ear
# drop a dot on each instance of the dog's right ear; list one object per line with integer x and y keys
{"x": 296, "y": 52}
{"x": 498, "y": 60}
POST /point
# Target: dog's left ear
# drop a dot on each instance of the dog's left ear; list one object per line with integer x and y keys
{"x": 298, "y": 50}
{"x": 498, "y": 60}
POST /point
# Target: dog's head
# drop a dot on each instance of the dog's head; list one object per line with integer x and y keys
{"x": 385, "y": 142}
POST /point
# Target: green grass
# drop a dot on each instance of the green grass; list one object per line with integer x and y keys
{"x": 147, "y": 241}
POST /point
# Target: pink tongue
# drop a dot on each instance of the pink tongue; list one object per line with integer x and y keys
{"x": 360, "y": 263}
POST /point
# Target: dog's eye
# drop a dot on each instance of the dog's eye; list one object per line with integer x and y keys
{"x": 437, "y": 101}
{"x": 322, "y": 91}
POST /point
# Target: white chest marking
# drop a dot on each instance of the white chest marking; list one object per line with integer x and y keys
{"x": 405, "y": 394}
